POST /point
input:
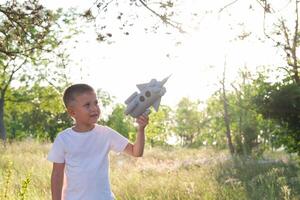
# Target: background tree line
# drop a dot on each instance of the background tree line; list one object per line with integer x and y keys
{"x": 191, "y": 123}
{"x": 247, "y": 116}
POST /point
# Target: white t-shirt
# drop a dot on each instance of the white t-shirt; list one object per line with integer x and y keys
{"x": 86, "y": 161}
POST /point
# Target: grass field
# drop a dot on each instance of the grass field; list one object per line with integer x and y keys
{"x": 162, "y": 174}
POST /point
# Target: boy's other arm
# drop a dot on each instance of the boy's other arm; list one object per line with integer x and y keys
{"x": 137, "y": 149}
{"x": 57, "y": 179}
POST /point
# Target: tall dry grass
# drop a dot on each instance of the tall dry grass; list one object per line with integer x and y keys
{"x": 162, "y": 174}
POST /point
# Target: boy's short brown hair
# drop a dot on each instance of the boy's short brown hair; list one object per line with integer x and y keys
{"x": 74, "y": 90}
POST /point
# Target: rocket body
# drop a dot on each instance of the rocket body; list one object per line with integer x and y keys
{"x": 150, "y": 95}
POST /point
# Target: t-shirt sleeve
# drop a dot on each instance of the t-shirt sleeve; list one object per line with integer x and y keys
{"x": 57, "y": 153}
{"x": 117, "y": 141}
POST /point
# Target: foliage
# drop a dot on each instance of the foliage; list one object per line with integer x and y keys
{"x": 214, "y": 131}
{"x": 124, "y": 15}
{"x": 159, "y": 126}
{"x": 188, "y": 121}
{"x": 251, "y": 133}
{"x": 23, "y": 191}
{"x": 261, "y": 179}
{"x": 281, "y": 102}
{"x": 105, "y": 101}
{"x": 30, "y": 34}
{"x": 105, "y": 98}
{"x": 36, "y": 112}
{"x": 120, "y": 122}
{"x": 247, "y": 123}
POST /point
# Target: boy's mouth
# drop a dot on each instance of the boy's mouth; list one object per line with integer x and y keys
{"x": 94, "y": 115}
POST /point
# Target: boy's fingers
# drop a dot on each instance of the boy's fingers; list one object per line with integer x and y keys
{"x": 142, "y": 119}
{"x": 145, "y": 118}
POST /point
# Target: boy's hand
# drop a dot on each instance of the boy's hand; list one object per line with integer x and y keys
{"x": 137, "y": 149}
{"x": 142, "y": 121}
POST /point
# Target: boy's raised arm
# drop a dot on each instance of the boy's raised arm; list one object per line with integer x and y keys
{"x": 137, "y": 149}
{"x": 57, "y": 179}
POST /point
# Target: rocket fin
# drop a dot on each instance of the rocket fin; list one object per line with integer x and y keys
{"x": 156, "y": 104}
{"x": 142, "y": 86}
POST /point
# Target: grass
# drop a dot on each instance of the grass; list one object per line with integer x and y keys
{"x": 162, "y": 174}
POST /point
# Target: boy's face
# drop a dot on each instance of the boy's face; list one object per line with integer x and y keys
{"x": 85, "y": 109}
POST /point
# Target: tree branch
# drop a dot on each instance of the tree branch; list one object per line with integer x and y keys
{"x": 294, "y": 47}
{"x": 8, "y": 15}
{"x": 227, "y": 5}
{"x": 164, "y": 18}
{"x": 286, "y": 35}
{"x": 3, "y": 90}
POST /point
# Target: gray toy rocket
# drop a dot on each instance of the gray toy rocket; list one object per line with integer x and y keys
{"x": 150, "y": 95}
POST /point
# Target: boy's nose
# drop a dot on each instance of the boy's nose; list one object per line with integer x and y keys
{"x": 94, "y": 108}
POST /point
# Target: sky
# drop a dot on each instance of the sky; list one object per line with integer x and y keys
{"x": 195, "y": 59}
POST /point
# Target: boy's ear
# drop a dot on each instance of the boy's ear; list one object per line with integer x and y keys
{"x": 70, "y": 111}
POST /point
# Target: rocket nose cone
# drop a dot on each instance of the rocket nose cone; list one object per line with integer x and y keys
{"x": 165, "y": 79}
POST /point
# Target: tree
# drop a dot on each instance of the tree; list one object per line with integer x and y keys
{"x": 249, "y": 127}
{"x": 157, "y": 130}
{"x": 128, "y": 12}
{"x": 281, "y": 27}
{"x": 120, "y": 122}
{"x": 38, "y": 111}
{"x": 105, "y": 100}
{"x": 281, "y": 102}
{"x": 215, "y": 128}
{"x": 28, "y": 32}
{"x": 188, "y": 121}
{"x": 284, "y": 33}
{"x": 42, "y": 117}
{"x": 226, "y": 115}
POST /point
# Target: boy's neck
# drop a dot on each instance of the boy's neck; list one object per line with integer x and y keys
{"x": 83, "y": 128}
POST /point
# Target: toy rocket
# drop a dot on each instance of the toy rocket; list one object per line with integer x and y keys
{"x": 150, "y": 95}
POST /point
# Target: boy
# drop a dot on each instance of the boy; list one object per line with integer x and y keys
{"x": 80, "y": 153}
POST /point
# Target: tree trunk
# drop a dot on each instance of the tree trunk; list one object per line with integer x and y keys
{"x": 2, "y": 127}
{"x": 226, "y": 116}
{"x": 295, "y": 45}
{"x": 227, "y": 124}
